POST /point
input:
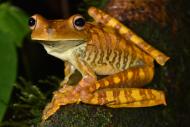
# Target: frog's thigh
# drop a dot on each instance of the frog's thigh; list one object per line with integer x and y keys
{"x": 127, "y": 97}
{"x": 132, "y": 77}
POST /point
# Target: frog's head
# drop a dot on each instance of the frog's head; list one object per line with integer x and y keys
{"x": 70, "y": 32}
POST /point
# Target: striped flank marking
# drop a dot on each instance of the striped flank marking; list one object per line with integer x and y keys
{"x": 107, "y": 20}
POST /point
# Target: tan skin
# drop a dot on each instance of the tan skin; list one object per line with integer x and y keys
{"x": 97, "y": 49}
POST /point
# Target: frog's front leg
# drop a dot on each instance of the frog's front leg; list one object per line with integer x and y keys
{"x": 68, "y": 95}
{"x": 68, "y": 71}
{"x": 61, "y": 97}
{"x": 71, "y": 94}
{"x": 87, "y": 73}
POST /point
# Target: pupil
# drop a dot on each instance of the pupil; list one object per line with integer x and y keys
{"x": 31, "y": 22}
{"x": 80, "y": 22}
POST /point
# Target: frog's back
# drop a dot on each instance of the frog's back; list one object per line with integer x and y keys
{"x": 108, "y": 53}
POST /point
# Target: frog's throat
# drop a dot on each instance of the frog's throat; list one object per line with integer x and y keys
{"x": 62, "y": 49}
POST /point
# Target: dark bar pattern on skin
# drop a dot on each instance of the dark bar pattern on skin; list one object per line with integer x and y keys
{"x": 127, "y": 97}
{"x": 132, "y": 77}
{"x": 107, "y": 20}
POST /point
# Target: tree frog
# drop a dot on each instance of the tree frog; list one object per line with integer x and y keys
{"x": 103, "y": 47}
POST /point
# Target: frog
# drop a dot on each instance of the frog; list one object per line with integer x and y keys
{"x": 103, "y": 47}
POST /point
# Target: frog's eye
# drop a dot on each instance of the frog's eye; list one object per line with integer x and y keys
{"x": 32, "y": 22}
{"x": 79, "y": 22}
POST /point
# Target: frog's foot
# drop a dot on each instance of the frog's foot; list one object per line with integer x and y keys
{"x": 87, "y": 84}
{"x": 65, "y": 88}
{"x": 127, "y": 97}
{"x": 68, "y": 95}
{"x": 63, "y": 83}
{"x": 61, "y": 97}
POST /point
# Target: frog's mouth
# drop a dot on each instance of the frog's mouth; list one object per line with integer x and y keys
{"x": 70, "y": 43}
{"x": 62, "y": 46}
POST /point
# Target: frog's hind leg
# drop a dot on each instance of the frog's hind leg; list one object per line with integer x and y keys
{"x": 128, "y": 34}
{"x": 132, "y": 77}
{"x": 107, "y": 92}
{"x": 127, "y": 97}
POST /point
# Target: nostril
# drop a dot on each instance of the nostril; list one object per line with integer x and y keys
{"x": 31, "y": 22}
{"x": 50, "y": 30}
